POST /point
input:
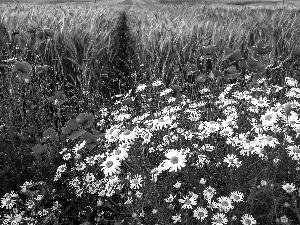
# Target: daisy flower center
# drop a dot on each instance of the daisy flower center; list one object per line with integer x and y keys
{"x": 236, "y": 197}
{"x": 118, "y": 152}
{"x": 247, "y": 221}
{"x": 126, "y": 132}
{"x": 225, "y": 203}
{"x": 174, "y": 160}
{"x": 296, "y": 149}
{"x": 268, "y": 138}
{"x": 201, "y": 214}
{"x": 135, "y": 181}
{"x": 219, "y": 220}
{"x": 187, "y": 202}
{"x": 268, "y": 117}
{"x": 210, "y": 191}
{"x": 109, "y": 164}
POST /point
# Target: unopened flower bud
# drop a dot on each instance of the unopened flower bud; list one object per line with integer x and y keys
{"x": 288, "y": 108}
{"x": 286, "y": 204}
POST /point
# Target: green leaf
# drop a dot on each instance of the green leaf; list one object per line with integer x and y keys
{"x": 76, "y": 134}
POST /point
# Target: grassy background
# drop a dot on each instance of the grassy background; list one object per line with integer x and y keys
{"x": 146, "y": 2}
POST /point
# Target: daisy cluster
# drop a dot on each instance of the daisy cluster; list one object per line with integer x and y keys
{"x": 183, "y": 129}
{"x": 17, "y": 207}
{"x": 163, "y": 146}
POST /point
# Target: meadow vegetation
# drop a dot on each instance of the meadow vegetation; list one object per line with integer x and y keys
{"x": 170, "y": 114}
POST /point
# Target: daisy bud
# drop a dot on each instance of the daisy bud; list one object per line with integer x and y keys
{"x": 234, "y": 218}
{"x": 288, "y": 108}
{"x": 286, "y": 204}
{"x": 99, "y": 203}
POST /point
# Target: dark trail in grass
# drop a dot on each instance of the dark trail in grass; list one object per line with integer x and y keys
{"x": 123, "y": 64}
{"x": 127, "y": 2}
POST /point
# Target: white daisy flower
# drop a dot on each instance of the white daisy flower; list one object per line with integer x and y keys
{"x": 232, "y": 160}
{"x": 207, "y": 147}
{"x": 136, "y": 182}
{"x": 200, "y": 213}
{"x": 266, "y": 140}
{"x": 67, "y": 156}
{"x": 291, "y": 82}
{"x": 294, "y": 152}
{"x": 127, "y": 136}
{"x": 236, "y": 196}
{"x": 158, "y": 124}
{"x": 188, "y": 202}
{"x": 170, "y": 198}
{"x": 253, "y": 108}
{"x": 289, "y": 188}
{"x": 111, "y": 166}
{"x": 284, "y": 219}
{"x": 248, "y": 220}
{"x": 157, "y": 83}
{"x": 261, "y": 102}
{"x": 219, "y": 219}
{"x": 138, "y": 194}
{"x": 177, "y": 185}
{"x": 269, "y": 119}
{"x": 176, "y": 218}
{"x": 225, "y": 204}
{"x": 227, "y": 132}
{"x": 122, "y": 151}
{"x": 212, "y": 126}
{"x": 122, "y": 116}
{"x": 80, "y": 166}
{"x": 175, "y": 160}
{"x": 112, "y": 134}
{"x": 209, "y": 192}
{"x": 166, "y": 91}
{"x": 141, "y": 87}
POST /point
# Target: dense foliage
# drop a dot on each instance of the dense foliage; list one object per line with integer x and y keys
{"x": 164, "y": 115}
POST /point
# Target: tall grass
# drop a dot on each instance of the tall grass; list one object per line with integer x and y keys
{"x": 77, "y": 58}
{"x": 170, "y": 37}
